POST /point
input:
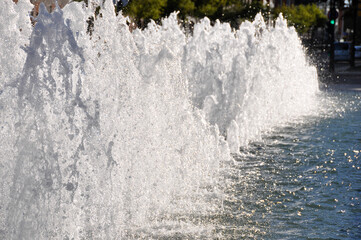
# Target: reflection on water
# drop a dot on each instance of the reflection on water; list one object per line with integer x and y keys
{"x": 302, "y": 182}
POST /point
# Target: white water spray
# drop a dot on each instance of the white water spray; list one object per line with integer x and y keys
{"x": 116, "y": 136}
{"x": 249, "y": 80}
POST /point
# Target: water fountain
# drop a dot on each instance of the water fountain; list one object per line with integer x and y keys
{"x": 128, "y": 135}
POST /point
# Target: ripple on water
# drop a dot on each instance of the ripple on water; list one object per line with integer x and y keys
{"x": 303, "y": 181}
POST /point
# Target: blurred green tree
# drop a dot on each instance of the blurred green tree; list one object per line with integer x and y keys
{"x": 144, "y": 10}
{"x": 185, "y": 8}
{"x": 304, "y": 18}
{"x": 214, "y": 9}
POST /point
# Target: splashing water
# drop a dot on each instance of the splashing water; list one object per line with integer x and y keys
{"x": 249, "y": 80}
{"x": 122, "y": 135}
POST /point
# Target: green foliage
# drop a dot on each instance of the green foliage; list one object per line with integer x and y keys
{"x": 155, "y": 9}
{"x": 303, "y": 17}
{"x": 208, "y": 8}
{"x": 226, "y": 10}
{"x": 185, "y": 7}
{"x": 252, "y": 9}
{"x": 146, "y": 9}
{"x": 216, "y": 9}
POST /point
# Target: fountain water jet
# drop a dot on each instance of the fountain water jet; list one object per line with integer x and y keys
{"x": 121, "y": 135}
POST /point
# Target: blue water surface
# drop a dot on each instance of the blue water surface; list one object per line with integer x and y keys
{"x": 303, "y": 181}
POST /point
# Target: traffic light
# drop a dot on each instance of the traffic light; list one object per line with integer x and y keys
{"x": 332, "y": 15}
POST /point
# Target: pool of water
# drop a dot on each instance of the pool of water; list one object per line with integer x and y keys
{"x": 303, "y": 181}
